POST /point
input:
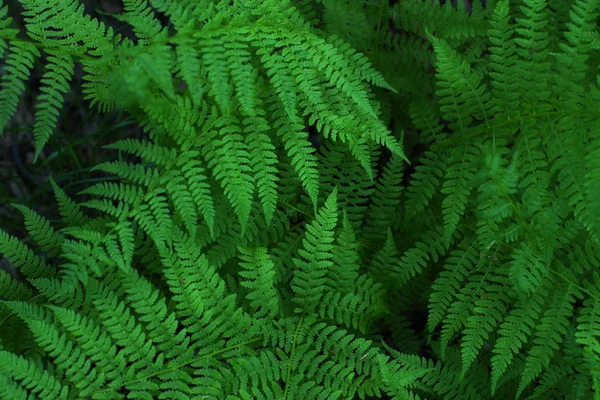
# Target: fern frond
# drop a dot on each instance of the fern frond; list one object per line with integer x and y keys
{"x": 424, "y": 182}
{"x": 385, "y": 201}
{"x": 309, "y": 276}
{"x": 514, "y": 333}
{"x": 230, "y": 162}
{"x": 30, "y": 374}
{"x": 358, "y": 309}
{"x": 41, "y": 231}
{"x": 553, "y": 325}
{"x": 457, "y": 187}
{"x": 488, "y": 311}
{"x": 29, "y": 263}
{"x": 446, "y": 286}
{"x": 301, "y": 154}
{"x": 503, "y": 60}
{"x": 55, "y": 83}
{"x": 64, "y": 25}
{"x": 344, "y": 274}
{"x": 263, "y": 160}
{"x": 462, "y": 95}
{"x": 430, "y": 246}
{"x": 141, "y": 18}
{"x": 259, "y": 276}
{"x": 18, "y": 67}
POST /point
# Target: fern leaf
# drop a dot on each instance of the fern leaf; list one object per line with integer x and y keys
{"x": 55, "y": 83}
{"x": 462, "y": 95}
{"x": 18, "y": 67}
{"x": 549, "y": 334}
{"x": 58, "y": 29}
{"x": 214, "y": 59}
{"x": 31, "y": 375}
{"x": 504, "y": 84}
{"x": 41, "y": 231}
{"x": 302, "y": 155}
{"x": 450, "y": 280}
{"x": 242, "y": 73}
{"x": 231, "y": 164}
{"x": 345, "y": 257}
{"x": 29, "y": 263}
{"x": 141, "y": 17}
{"x": 259, "y": 278}
{"x": 457, "y": 187}
{"x": 195, "y": 174}
{"x": 385, "y": 201}
{"x": 487, "y": 313}
{"x": 263, "y": 160}
{"x": 514, "y": 333}
{"x": 188, "y": 62}
{"x": 309, "y": 276}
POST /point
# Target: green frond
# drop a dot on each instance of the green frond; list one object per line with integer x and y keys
{"x": 385, "y": 259}
{"x": 424, "y": 183}
{"x": 532, "y": 47}
{"x": 197, "y": 288}
{"x": 188, "y": 63}
{"x": 30, "y": 376}
{"x": 12, "y": 289}
{"x": 141, "y": 17}
{"x": 29, "y": 263}
{"x": 263, "y": 160}
{"x": 456, "y": 187}
{"x": 357, "y": 310}
{"x": 528, "y": 270}
{"x": 194, "y": 173}
{"x": 117, "y": 191}
{"x": 309, "y": 276}
{"x": 18, "y": 68}
{"x": 77, "y": 369}
{"x": 587, "y": 329}
{"x": 242, "y": 73}
{"x": 259, "y": 278}
{"x": 69, "y": 209}
{"x": 548, "y": 335}
{"x": 403, "y": 370}
{"x": 281, "y": 78}
{"x": 488, "y": 311}
{"x": 385, "y": 200}
{"x": 431, "y": 246}
{"x": 230, "y": 162}
{"x": 215, "y": 60}
{"x": 462, "y": 95}
{"x": 503, "y": 58}
{"x": 514, "y": 333}
{"x": 301, "y": 153}
{"x": 55, "y": 83}
{"x": 63, "y": 24}
{"x": 41, "y": 231}
{"x": 443, "y": 19}
{"x": 459, "y": 313}
{"x": 352, "y": 180}
{"x": 446, "y": 286}
{"x": 345, "y": 258}
{"x": 181, "y": 198}
{"x": 143, "y": 79}
{"x": 6, "y": 33}
{"x": 140, "y": 174}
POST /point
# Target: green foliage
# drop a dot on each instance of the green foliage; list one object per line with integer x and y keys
{"x": 234, "y": 256}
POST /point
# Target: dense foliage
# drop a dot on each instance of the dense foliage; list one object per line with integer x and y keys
{"x": 439, "y": 240}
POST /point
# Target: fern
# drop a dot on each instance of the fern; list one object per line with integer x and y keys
{"x": 268, "y": 241}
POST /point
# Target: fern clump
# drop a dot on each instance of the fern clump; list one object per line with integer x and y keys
{"x": 234, "y": 258}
